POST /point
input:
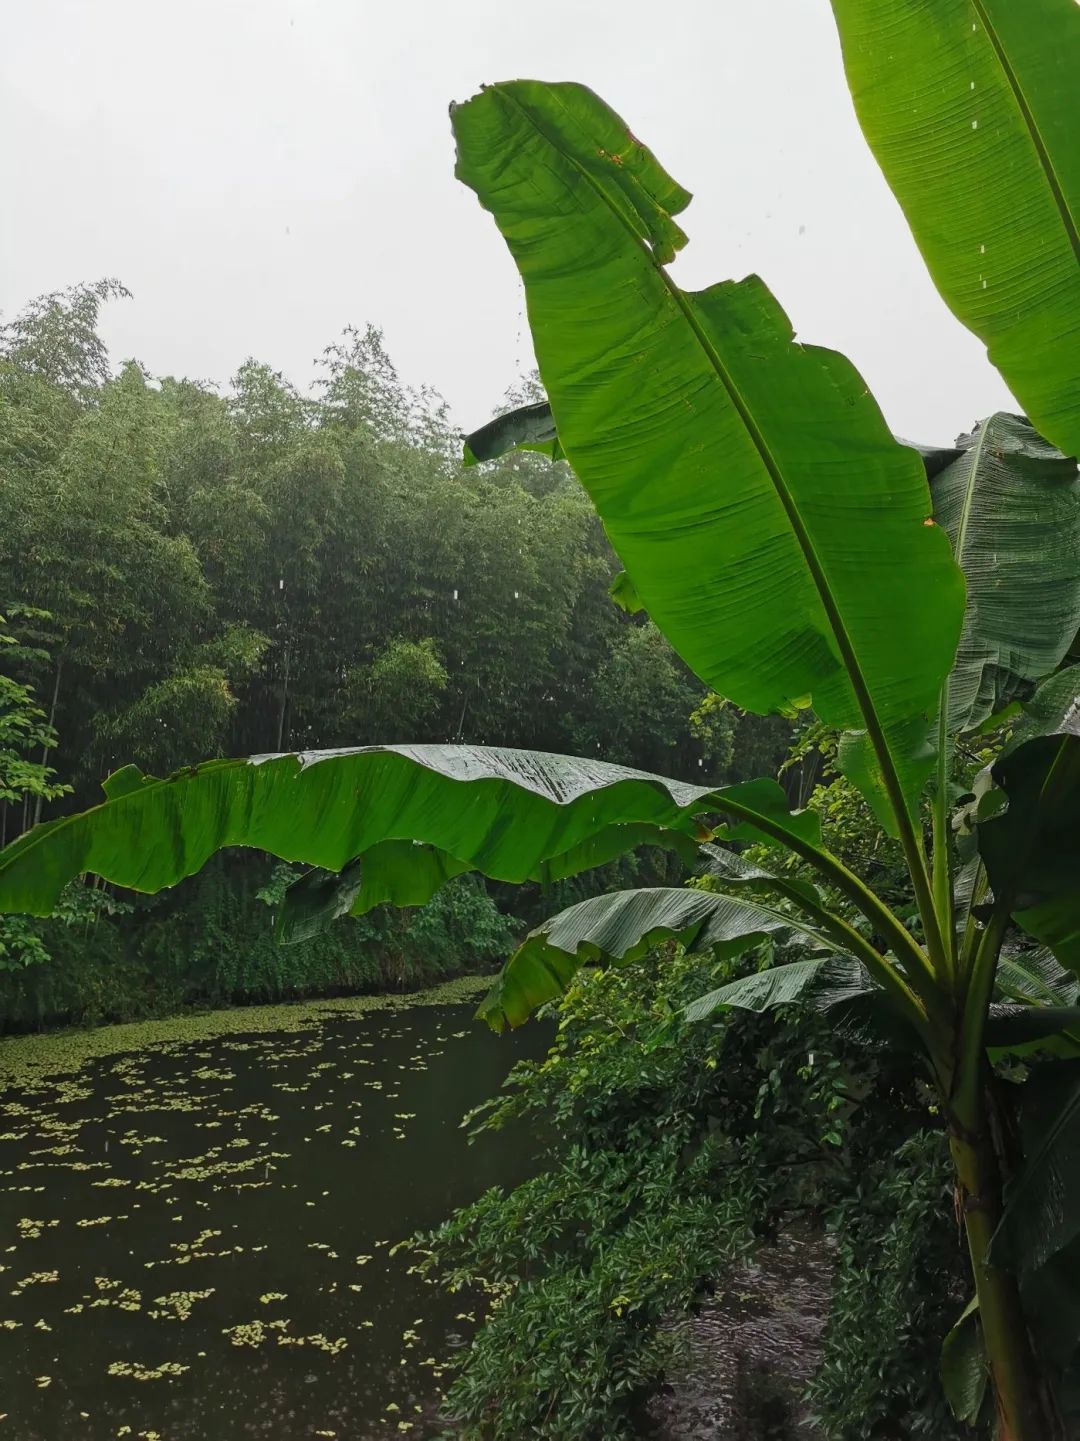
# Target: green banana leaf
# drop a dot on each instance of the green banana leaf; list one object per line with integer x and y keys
{"x": 1042, "y": 1201}
{"x": 1051, "y": 1297}
{"x": 1010, "y": 504}
{"x": 972, "y": 110}
{"x": 737, "y": 873}
{"x": 818, "y": 983}
{"x": 622, "y": 926}
{"x": 1032, "y": 850}
{"x": 624, "y": 595}
{"x": 1022, "y": 1028}
{"x": 408, "y": 873}
{"x": 1035, "y": 1011}
{"x": 530, "y": 427}
{"x": 1035, "y": 978}
{"x": 772, "y": 527}
{"x": 964, "y": 1370}
{"x": 502, "y": 812}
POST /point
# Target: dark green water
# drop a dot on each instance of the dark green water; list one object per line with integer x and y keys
{"x": 197, "y": 1233}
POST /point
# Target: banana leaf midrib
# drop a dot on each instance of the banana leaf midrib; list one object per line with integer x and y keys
{"x": 843, "y": 641}
{"x": 1030, "y": 124}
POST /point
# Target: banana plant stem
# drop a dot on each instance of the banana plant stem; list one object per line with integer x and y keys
{"x": 1004, "y": 1331}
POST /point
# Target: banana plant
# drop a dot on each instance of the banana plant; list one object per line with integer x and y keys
{"x": 796, "y": 555}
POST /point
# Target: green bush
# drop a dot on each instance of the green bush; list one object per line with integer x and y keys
{"x": 898, "y": 1288}
{"x": 671, "y": 1152}
{"x": 211, "y": 943}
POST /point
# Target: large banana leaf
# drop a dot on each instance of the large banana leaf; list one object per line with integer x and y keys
{"x": 408, "y": 873}
{"x": 1010, "y": 504}
{"x": 1035, "y": 978}
{"x": 1032, "y": 851}
{"x": 770, "y": 524}
{"x": 1042, "y": 1211}
{"x": 818, "y": 983}
{"x": 532, "y": 427}
{"x": 622, "y": 926}
{"x": 506, "y": 813}
{"x": 972, "y": 109}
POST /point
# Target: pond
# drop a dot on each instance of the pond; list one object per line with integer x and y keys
{"x": 199, "y": 1218}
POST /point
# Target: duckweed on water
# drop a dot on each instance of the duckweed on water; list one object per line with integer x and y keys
{"x": 28, "y": 1058}
{"x": 256, "y": 1201}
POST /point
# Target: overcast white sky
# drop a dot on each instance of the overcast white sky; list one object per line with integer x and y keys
{"x": 261, "y": 173}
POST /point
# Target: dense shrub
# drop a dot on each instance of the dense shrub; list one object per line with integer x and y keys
{"x": 672, "y": 1151}
{"x": 211, "y": 943}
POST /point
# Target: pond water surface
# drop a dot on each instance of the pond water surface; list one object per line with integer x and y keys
{"x": 198, "y": 1216}
{"x": 198, "y": 1228}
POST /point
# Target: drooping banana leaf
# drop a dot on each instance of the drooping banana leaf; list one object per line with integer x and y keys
{"x": 502, "y": 812}
{"x": 1051, "y": 1297}
{"x": 1034, "y": 1010}
{"x": 1032, "y": 850}
{"x": 1036, "y": 978}
{"x": 1010, "y": 503}
{"x": 972, "y": 110}
{"x": 624, "y": 594}
{"x": 967, "y": 882}
{"x": 1024, "y": 1028}
{"x": 820, "y": 983}
{"x": 934, "y": 457}
{"x": 737, "y": 873}
{"x": 622, "y": 926}
{"x": 408, "y": 873}
{"x": 533, "y": 426}
{"x": 964, "y": 1370}
{"x": 772, "y": 527}
{"x": 530, "y": 427}
{"x": 1042, "y": 1201}
{"x": 1054, "y": 709}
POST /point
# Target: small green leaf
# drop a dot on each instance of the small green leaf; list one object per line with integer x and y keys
{"x": 963, "y": 1367}
{"x": 624, "y": 594}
